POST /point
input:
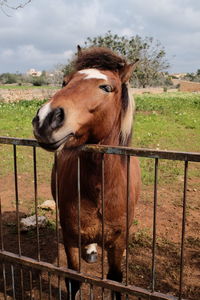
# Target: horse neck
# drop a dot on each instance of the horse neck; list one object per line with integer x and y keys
{"x": 95, "y": 159}
{"x": 113, "y": 139}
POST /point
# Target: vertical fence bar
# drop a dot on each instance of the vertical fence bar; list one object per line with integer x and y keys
{"x": 59, "y": 288}
{"x": 127, "y": 218}
{"x": 17, "y": 217}
{"x": 22, "y": 283}
{"x": 1, "y": 226}
{"x": 13, "y": 281}
{"x": 79, "y": 219}
{"x": 2, "y": 248}
{"x": 91, "y": 292}
{"x": 36, "y": 201}
{"x": 70, "y": 290}
{"x": 154, "y": 225}
{"x": 31, "y": 283}
{"x": 183, "y": 229}
{"x": 57, "y": 217}
{"x": 103, "y": 219}
{"x": 17, "y": 199}
{"x": 57, "y": 220}
{"x": 4, "y": 281}
{"x": 127, "y": 214}
{"x": 40, "y": 286}
{"x": 79, "y": 213}
{"x": 49, "y": 284}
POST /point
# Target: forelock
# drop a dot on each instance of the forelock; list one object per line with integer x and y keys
{"x": 99, "y": 58}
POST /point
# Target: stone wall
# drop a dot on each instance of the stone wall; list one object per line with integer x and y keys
{"x": 188, "y": 86}
{"x": 12, "y": 95}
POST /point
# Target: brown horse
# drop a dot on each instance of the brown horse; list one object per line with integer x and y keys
{"x": 94, "y": 106}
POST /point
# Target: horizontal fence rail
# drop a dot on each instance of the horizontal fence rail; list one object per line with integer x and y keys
{"x": 92, "y": 281}
{"x": 141, "y": 152}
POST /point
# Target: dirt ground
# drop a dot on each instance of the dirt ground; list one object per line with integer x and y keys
{"x": 169, "y": 222}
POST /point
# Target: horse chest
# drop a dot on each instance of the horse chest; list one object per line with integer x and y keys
{"x": 91, "y": 219}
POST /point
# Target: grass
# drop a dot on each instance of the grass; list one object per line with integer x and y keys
{"x": 168, "y": 121}
{"x": 15, "y": 121}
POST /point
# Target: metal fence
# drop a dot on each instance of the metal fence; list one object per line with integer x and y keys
{"x": 25, "y": 266}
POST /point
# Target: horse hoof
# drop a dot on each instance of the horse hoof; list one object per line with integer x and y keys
{"x": 91, "y": 257}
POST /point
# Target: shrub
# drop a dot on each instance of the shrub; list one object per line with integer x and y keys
{"x": 38, "y": 81}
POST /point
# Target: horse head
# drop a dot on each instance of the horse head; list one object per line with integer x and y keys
{"x": 93, "y": 106}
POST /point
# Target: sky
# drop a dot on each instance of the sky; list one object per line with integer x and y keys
{"x": 45, "y": 33}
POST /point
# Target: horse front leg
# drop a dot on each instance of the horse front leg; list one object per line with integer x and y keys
{"x": 115, "y": 255}
{"x": 73, "y": 263}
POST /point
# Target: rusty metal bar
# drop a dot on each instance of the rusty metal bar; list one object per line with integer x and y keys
{"x": 70, "y": 289}
{"x": 13, "y": 281}
{"x": 79, "y": 212}
{"x": 4, "y": 280}
{"x": 103, "y": 220}
{"x": 22, "y": 283}
{"x": 36, "y": 201}
{"x": 17, "y": 198}
{"x": 103, "y": 214}
{"x": 40, "y": 286}
{"x": 183, "y": 228}
{"x": 79, "y": 218}
{"x": 31, "y": 283}
{"x": 59, "y": 289}
{"x": 49, "y": 284}
{"x": 1, "y": 226}
{"x": 91, "y": 292}
{"x": 18, "y": 141}
{"x": 86, "y": 278}
{"x": 57, "y": 214}
{"x": 127, "y": 214}
{"x": 154, "y": 225}
{"x": 150, "y": 153}
{"x": 143, "y": 152}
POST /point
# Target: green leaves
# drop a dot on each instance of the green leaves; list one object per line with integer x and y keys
{"x": 150, "y": 53}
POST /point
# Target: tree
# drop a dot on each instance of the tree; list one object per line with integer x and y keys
{"x": 198, "y": 73}
{"x": 195, "y": 77}
{"x": 151, "y": 55}
{"x": 4, "y": 4}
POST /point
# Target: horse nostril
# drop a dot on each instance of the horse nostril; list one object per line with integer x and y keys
{"x": 57, "y": 118}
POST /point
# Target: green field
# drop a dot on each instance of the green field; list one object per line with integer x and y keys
{"x": 168, "y": 121}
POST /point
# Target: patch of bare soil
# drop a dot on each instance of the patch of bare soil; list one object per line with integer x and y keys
{"x": 38, "y": 285}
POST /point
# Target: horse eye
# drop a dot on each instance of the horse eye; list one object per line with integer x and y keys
{"x": 106, "y": 88}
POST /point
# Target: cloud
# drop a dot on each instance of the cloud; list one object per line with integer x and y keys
{"x": 46, "y": 33}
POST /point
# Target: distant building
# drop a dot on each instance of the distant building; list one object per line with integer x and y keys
{"x": 178, "y": 75}
{"x": 34, "y": 73}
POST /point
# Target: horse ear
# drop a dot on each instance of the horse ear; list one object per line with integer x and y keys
{"x": 126, "y": 72}
{"x": 79, "y": 50}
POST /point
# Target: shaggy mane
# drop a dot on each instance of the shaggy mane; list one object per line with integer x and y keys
{"x": 99, "y": 58}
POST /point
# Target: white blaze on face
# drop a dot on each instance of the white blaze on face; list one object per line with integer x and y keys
{"x": 43, "y": 112}
{"x": 91, "y": 248}
{"x": 93, "y": 74}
